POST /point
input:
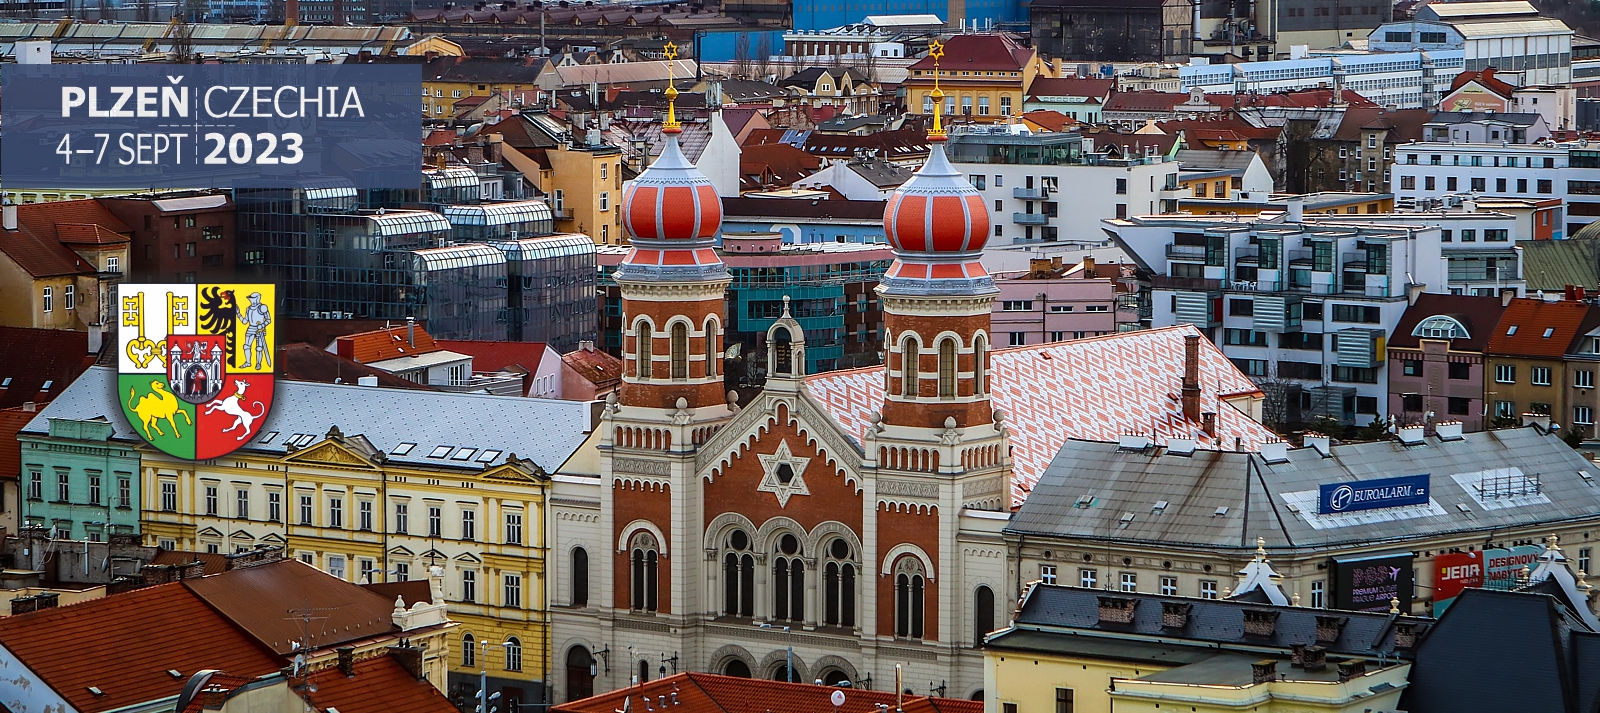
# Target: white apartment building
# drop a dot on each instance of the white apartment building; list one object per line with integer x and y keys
{"x": 1408, "y": 80}
{"x": 1040, "y": 186}
{"x": 1300, "y": 303}
{"x": 1479, "y": 247}
{"x": 1438, "y": 173}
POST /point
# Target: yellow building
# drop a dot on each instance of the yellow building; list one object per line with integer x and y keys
{"x": 448, "y": 79}
{"x": 1080, "y": 650}
{"x": 58, "y": 264}
{"x": 376, "y": 485}
{"x": 984, "y": 78}
{"x": 582, "y": 181}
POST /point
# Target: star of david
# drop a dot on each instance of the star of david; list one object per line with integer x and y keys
{"x": 784, "y": 474}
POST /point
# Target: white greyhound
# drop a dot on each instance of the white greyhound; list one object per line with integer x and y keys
{"x": 241, "y": 418}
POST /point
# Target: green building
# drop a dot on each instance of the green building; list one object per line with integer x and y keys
{"x": 78, "y": 480}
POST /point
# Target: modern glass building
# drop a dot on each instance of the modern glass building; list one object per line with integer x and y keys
{"x": 511, "y": 220}
{"x": 460, "y": 290}
{"x": 552, "y": 289}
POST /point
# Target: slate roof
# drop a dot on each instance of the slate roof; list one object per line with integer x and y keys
{"x": 1097, "y": 388}
{"x": 482, "y": 431}
{"x": 711, "y": 693}
{"x": 1278, "y": 501}
{"x": 1071, "y": 87}
{"x": 1556, "y": 657}
{"x": 811, "y": 210}
{"x": 125, "y": 644}
{"x": 1479, "y": 315}
{"x": 494, "y": 70}
{"x": 1208, "y": 160}
{"x": 1465, "y": 117}
{"x": 34, "y": 357}
{"x": 1048, "y": 611}
{"x": 1535, "y": 328}
{"x": 380, "y": 685}
{"x": 259, "y": 600}
{"x": 1553, "y": 264}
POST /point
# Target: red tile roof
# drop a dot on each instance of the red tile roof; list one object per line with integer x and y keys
{"x": 388, "y": 343}
{"x": 1485, "y": 79}
{"x": 1071, "y": 87}
{"x": 256, "y": 600}
{"x": 124, "y": 645}
{"x": 304, "y": 362}
{"x": 710, "y": 693}
{"x": 1536, "y": 328}
{"x": 37, "y": 245}
{"x": 380, "y": 685}
{"x": 1478, "y": 314}
{"x": 33, "y": 357}
{"x": 979, "y": 52}
{"x": 600, "y": 368}
{"x": 215, "y": 562}
{"x": 787, "y": 163}
{"x": 1052, "y": 120}
{"x": 497, "y": 356}
{"x": 11, "y": 421}
{"x": 1093, "y": 389}
{"x": 88, "y": 234}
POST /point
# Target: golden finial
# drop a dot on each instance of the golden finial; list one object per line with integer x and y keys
{"x": 671, "y": 125}
{"x": 937, "y": 133}
{"x": 1394, "y": 605}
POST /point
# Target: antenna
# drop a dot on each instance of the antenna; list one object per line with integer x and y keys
{"x": 306, "y": 615}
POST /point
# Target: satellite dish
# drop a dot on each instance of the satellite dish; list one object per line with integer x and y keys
{"x": 836, "y": 698}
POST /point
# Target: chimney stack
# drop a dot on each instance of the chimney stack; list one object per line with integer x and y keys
{"x": 347, "y": 660}
{"x": 1264, "y": 671}
{"x": 8, "y": 215}
{"x": 411, "y": 331}
{"x": 1191, "y": 377}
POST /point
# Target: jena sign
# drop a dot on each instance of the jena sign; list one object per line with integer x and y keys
{"x": 1405, "y": 490}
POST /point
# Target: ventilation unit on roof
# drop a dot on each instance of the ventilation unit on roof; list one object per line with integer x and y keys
{"x": 1126, "y": 518}
{"x": 1161, "y": 507}
{"x": 1221, "y": 510}
{"x": 1084, "y": 501}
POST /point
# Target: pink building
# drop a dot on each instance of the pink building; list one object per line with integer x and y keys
{"x": 1052, "y": 302}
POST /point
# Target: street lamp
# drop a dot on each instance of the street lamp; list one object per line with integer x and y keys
{"x": 483, "y": 677}
{"x": 788, "y": 655}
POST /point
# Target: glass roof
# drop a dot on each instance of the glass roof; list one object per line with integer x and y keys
{"x": 498, "y": 213}
{"x": 546, "y": 247}
{"x": 457, "y": 256}
{"x": 407, "y": 222}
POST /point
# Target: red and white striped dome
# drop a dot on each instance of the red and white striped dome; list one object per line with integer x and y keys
{"x": 671, "y": 200}
{"x": 937, "y": 211}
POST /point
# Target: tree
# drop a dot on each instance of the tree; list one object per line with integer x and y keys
{"x": 741, "y": 56}
{"x": 763, "y": 56}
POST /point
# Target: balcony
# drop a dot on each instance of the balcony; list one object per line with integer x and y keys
{"x": 1030, "y": 218}
{"x": 1355, "y": 261}
{"x": 1167, "y": 282}
{"x": 1030, "y": 194}
{"x": 1186, "y": 252}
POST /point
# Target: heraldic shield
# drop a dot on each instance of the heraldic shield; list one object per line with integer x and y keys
{"x": 195, "y": 373}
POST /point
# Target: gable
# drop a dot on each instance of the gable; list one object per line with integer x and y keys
{"x": 331, "y": 453}
{"x": 811, "y": 424}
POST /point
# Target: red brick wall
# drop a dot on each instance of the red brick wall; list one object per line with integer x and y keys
{"x": 661, "y": 392}
{"x": 631, "y": 503}
{"x": 831, "y": 498}
{"x": 921, "y": 528}
{"x": 931, "y": 413}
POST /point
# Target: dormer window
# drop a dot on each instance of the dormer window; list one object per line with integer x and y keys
{"x": 1440, "y": 327}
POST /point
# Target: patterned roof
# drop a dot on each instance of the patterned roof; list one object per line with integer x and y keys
{"x": 711, "y": 693}
{"x": 1091, "y": 389}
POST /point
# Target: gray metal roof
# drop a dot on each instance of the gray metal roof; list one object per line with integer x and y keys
{"x": 1216, "y": 499}
{"x": 479, "y": 430}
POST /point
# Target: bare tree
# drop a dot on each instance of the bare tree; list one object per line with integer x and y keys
{"x": 183, "y": 43}
{"x": 764, "y": 56}
{"x": 741, "y": 56}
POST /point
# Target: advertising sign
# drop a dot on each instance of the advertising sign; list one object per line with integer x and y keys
{"x": 194, "y": 368}
{"x": 1453, "y": 572}
{"x": 1473, "y": 98}
{"x": 91, "y": 126}
{"x": 1372, "y": 494}
{"x": 1501, "y": 567}
{"x": 1368, "y": 583}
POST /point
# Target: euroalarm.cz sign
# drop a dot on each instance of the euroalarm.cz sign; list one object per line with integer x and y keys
{"x": 1372, "y": 494}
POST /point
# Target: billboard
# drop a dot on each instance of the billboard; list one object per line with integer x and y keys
{"x": 1367, "y": 583}
{"x": 1453, "y": 572}
{"x": 1336, "y": 498}
{"x": 1501, "y": 567}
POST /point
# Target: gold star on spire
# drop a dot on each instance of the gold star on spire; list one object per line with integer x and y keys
{"x": 671, "y": 125}
{"x": 937, "y": 133}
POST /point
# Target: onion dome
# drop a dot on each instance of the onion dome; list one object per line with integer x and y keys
{"x": 937, "y": 211}
{"x": 671, "y": 200}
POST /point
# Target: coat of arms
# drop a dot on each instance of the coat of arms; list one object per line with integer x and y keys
{"x": 195, "y": 372}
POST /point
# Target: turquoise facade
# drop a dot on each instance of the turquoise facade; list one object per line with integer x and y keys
{"x": 78, "y": 480}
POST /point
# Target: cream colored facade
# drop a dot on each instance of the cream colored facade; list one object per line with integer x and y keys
{"x": 337, "y": 505}
{"x": 71, "y": 302}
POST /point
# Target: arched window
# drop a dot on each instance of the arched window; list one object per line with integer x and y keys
{"x": 738, "y": 576}
{"x": 947, "y": 368}
{"x": 644, "y": 670}
{"x": 982, "y": 614}
{"x": 782, "y": 342}
{"x": 910, "y": 379}
{"x": 580, "y": 677}
{"x": 642, "y": 349}
{"x": 580, "y": 577}
{"x": 736, "y": 667}
{"x": 1440, "y": 327}
{"x": 513, "y": 654}
{"x": 645, "y": 559}
{"x": 469, "y": 650}
{"x": 713, "y": 355}
{"x": 788, "y": 581}
{"x": 680, "y": 351}
{"x": 839, "y": 585}
{"x": 834, "y": 677}
{"x": 980, "y": 365}
{"x": 909, "y": 581}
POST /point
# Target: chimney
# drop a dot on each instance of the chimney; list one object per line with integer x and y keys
{"x": 1117, "y": 610}
{"x": 1275, "y": 452}
{"x": 1411, "y": 435}
{"x": 1260, "y": 622}
{"x": 1175, "y": 615}
{"x": 1088, "y": 266}
{"x": 8, "y": 215}
{"x": 410, "y": 659}
{"x": 1191, "y": 377}
{"x": 1329, "y": 627}
{"x": 411, "y": 331}
{"x": 1405, "y": 635}
{"x": 1297, "y": 654}
{"x": 1448, "y": 430}
{"x": 1263, "y": 671}
{"x": 43, "y": 600}
{"x": 1506, "y": 297}
{"x": 1208, "y": 423}
{"x": 1351, "y": 669}
{"x": 367, "y": 381}
{"x": 213, "y": 698}
{"x": 29, "y": 407}
{"x": 1296, "y": 207}
{"x": 1315, "y": 658}
{"x": 347, "y": 660}
{"x": 1312, "y": 439}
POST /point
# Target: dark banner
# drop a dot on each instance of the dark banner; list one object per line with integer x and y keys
{"x": 93, "y": 126}
{"x": 1369, "y": 583}
{"x": 1372, "y": 494}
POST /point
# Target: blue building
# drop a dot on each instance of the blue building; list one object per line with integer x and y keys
{"x": 77, "y": 479}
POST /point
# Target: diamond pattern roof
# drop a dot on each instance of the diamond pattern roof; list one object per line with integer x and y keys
{"x": 1092, "y": 389}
